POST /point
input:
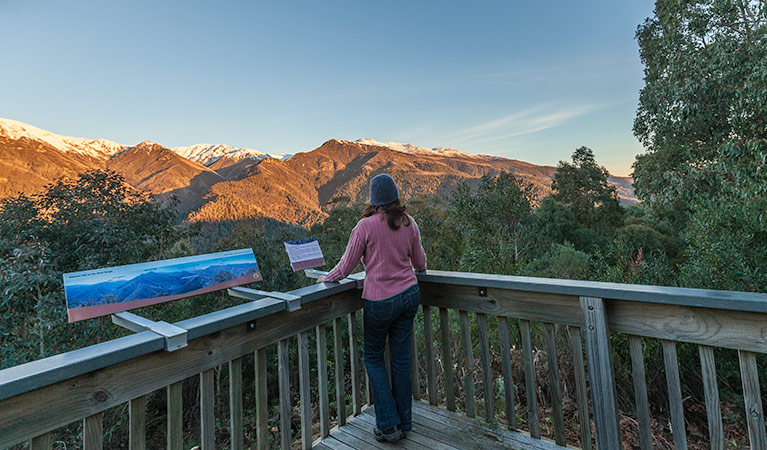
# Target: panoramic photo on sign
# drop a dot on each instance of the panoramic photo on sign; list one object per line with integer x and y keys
{"x": 304, "y": 254}
{"x": 99, "y": 292}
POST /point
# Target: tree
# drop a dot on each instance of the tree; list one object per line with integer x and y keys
{"x": 491, "y": 221}
{"x": 583, "y": 187}
{"x": 727, "y": 231}
{"x": 702, "y": 119}
{"x": 705, "y": 85}
{"x": 92, "y": 221}
{"x": 553, "y": 223}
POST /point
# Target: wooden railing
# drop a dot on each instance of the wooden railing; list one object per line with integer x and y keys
{"x": 40, "y": 397}
{"x": 593, "y": 312}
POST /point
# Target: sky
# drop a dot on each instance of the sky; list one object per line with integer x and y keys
{"x": 526, "y": 80}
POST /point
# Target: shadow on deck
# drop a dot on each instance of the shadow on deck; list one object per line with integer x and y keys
{"x": 434, "y": 428}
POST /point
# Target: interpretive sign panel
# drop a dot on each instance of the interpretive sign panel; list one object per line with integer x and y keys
{"x": 304, "y": 254}
{"x": 99, "y": 292}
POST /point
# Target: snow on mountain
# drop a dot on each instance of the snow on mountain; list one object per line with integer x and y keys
{"x": 207, "y": 154}
{"x": 97, "y": 148}
{"x": 414, "y": 149}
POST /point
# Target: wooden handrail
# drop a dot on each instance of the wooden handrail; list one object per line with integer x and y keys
{"x": 44, "y": 395}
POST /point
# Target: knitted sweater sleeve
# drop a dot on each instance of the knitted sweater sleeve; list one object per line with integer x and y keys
{"x": 351, "y": 258}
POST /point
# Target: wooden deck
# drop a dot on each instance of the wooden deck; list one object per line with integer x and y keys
{"x": 433, "y": 429}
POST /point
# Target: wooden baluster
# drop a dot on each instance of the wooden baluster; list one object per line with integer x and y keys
{"x": 175, "y": 416}
{"x": 304, "y": 392}
{"x": 322, "y": 382}
{"x": 262, "y": 400}
{"x": 447, "y": 357}
{"x": 640, "y": 392}
{"x": 207, "y": 412}
{"x": 137, "y": 423}
{"x": 753, "y": 399}
{"x": 431, "y": 373}
{"x": 487, "y": 375}
{"x": 414, "y": 367}
{"x": 338, "y": 354}
{"x": 93, "y": 432}
{"x": 468, "y": 379}
{"x": 674, "y": 394}
{"x": 355, "y": 363}
{"x": 286, "y": 437}
{"x": 42, "y": 442}
{"x": 235, "y": 404}
{"x": 508, "y": 382}
{"x": 556, "y": 393}
{"x": 576, "y": 347}
{"x": 711, "y": 391}
{"x": 602, "y": 382}
{"x": 530, "y": 384}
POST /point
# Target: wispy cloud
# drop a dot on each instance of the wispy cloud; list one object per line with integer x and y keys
{"x": 520, "y": 123}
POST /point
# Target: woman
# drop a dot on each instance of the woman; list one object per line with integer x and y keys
{"x": 387, "y": 240}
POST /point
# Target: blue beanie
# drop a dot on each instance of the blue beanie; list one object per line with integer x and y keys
{"x": 382, "y": 190}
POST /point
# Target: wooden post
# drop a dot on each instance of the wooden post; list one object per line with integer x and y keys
{"x": 175, "y": 416}
{"x": 304, "y": 391}
{"x": 42, "y": 442}
{"x": 286, "y": 436}
{"x": 576, "y": 347}
{"x": 468, "y": 379}
{"x": 235, "y": 404}
{"x": 354, "y": 354}
{"x": 137, "y": 421}
{"x": 487, "y": 375}
{"x": 262, "y": 399}
{"x": 603, "y": 398}
{"x": 508, "y": 382}
{"x": 322, "y": 382}
{"x": 556, "y": 393}
{"x": 93, "y": 432}
{"x": 640, "y": 392}
{"x": 675, "y": 407}
{"x": 753, "y": 399}
{"x": 447, "y": 357}
{"x": 207, "y": 412}
{"x": 338, "y": 355}
{"x": 530, "y": 384}
{"x": 431, "y": 372}
{"x": 711, "y": 390}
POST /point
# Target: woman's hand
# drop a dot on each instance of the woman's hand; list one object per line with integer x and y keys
{"x": 321, "y": 279}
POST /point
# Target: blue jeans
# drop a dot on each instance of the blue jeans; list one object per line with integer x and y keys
{"x": 392, "y": 317}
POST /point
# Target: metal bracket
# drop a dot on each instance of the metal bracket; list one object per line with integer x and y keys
{"x": 359, "y": 279}
{"x": 175, "y": 337}
{"x": 293, "y": 302}
{"x": 313, "y": 273}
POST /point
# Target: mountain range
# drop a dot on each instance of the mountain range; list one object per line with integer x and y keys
{"x": 220, "y": 182}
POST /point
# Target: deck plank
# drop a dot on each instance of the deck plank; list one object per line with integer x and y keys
{"x": 434, "y": 428}
{"x": 417, "y": 435}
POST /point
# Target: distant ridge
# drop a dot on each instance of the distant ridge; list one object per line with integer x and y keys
{"x": 216, "y": 182}
{"x": 207, "y": 154}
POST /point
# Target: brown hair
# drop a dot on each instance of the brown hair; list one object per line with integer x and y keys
{"x": 394, "y": 211}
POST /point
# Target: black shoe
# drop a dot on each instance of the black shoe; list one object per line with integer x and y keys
{"x": 391, "y": 435}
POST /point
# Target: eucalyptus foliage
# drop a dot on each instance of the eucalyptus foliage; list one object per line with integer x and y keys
{"x": 95, "y": 220}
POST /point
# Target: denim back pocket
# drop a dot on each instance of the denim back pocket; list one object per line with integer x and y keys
{"x": 411, "y": 301}
{"x": 379, "y": 310}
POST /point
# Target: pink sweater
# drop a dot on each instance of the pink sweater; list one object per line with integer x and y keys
{"x": 389, "y": 257}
